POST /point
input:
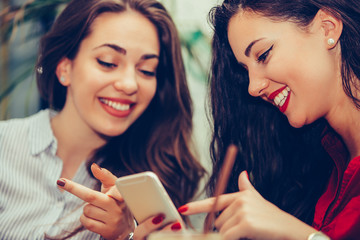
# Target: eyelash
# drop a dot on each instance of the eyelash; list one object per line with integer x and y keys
{"x": 111, "y": 65}
{"x": 262, "y": 58}
{"x": 106, "y": 64}
{"x": 148, "y": 73}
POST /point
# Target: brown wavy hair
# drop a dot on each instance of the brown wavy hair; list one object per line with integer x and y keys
{"x": 160, "y": 140}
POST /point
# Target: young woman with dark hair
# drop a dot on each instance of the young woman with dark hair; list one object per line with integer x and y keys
{"x": 112, "y": 73}
{"x": 285, "y": 89}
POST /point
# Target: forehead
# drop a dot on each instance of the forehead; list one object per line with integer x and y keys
{"x": 245, "y": 27}
{"x": 128, "y": 29}
{"x": 248, "y": 25}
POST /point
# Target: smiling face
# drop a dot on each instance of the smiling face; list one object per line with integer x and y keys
{"x": 112, "y": 79}
{"x": 292, "y": 68}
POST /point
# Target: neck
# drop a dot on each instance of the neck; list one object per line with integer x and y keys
{"x": 76, "y": 141}
{"x": 345, "y": 120}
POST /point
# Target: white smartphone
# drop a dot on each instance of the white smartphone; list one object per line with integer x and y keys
{"x": 145, "y": 196}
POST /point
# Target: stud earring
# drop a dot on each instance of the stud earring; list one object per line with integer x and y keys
{"x": 331, "y": 41}
{"x": 39, "y": 70}
{"x": 62, "y": 79}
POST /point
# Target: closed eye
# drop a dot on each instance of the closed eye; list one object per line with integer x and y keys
{"x": 106, "y": 64}
{"x": 148, "y": 73}
{"x": 262, "y": 58}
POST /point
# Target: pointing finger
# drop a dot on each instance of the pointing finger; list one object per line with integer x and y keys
{"x": 206, "y": 205}
{"x": 82, "y": 192}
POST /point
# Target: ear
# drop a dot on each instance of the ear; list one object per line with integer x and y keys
{"x": 331, "y": 26}
{"x": 63, "y": 71}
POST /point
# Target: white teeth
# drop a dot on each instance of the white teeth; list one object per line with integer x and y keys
{"x": 277, "y": 100}
{"x": 281, "y": 97}
{"x": 285, "y": 92}
{"x": 282, "y": 102}
{"x": 116, "y": 105}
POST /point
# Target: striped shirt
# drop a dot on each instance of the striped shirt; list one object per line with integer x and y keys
{"x": 31, "y": 205}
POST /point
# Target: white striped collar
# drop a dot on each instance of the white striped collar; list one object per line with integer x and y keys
{"x": 41, "y": 136}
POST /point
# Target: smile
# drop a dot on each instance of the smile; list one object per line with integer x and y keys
{"x": 115, "y": 105}
{"x": 280, "y": 99}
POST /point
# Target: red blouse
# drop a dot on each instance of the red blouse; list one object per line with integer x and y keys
{"x": 337, "y": 212}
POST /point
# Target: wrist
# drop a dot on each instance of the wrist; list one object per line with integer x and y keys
{"x": 128, "y": 236}
{"x": 318, "y": 236}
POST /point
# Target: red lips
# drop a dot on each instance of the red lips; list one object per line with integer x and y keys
{"x": 274, "y": 94}
{"x": 117, "y": 113}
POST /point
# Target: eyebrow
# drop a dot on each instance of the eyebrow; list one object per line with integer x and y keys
{"x": 123, "y": 51}
{"x": 113, "y": 46}
{"x": 149, "y": 56}
{"x": 248, "y": 49}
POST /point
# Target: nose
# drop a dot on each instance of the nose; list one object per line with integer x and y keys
{"x": 257, "y": 83}
{"x": 127, "y": 82}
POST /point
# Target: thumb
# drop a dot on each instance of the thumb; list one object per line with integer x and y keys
{"x": 244, "y": 182}
{"x": 103, "y": 175}
{"x": 114, "y": 193}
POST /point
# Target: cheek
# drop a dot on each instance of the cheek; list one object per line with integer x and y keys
{"x": 292, "y": 69}
{"x": 282, "y": 70}
{"x": 149, "y": 90}
{"x": 315, "y": 75}
{"x": 85, "y": 86}
{"x": 84, "y": 76}
{"x": 284, "y": 64}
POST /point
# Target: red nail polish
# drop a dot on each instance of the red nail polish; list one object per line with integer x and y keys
{"x": 176, "y": 226}
{"x": 247, "y": 175}
{"x": 60, "y": 182}
{"x": 158, "y": 219}
{"x": 183, "y": 209}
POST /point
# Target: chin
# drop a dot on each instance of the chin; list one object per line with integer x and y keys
{"x": 111, "y": 132}
{"x": 114, "y": 133}
{"x": 296, "y": 123}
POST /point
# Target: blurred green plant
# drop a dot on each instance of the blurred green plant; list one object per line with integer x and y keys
{"x": 11, "y": 19}
{"x": 196, "y": 46}
{"x": 42, "y": 13}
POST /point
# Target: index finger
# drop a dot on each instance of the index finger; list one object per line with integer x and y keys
{"x": 206, "y": 205}
{"x": 88, "y": 195}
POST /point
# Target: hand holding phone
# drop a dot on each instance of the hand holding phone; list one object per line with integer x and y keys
{"x": 145, "y": 196}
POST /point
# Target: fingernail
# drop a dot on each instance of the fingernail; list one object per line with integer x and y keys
{"x": 158, "y": 219}
{"x": 183, "y": 209}
{"x": 176, "y": 226}
{"x": 61, "y": 182}
{"x": 97, "y": 166}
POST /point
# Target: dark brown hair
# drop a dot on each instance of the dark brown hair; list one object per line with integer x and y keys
{"x": 160, "y": 140}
